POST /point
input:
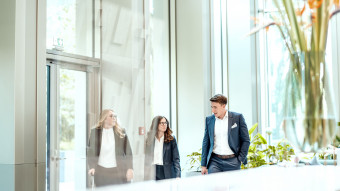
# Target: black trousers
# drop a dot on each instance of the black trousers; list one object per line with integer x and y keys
{"x": 160, "y": 172}
{"x": 108, "y": 176}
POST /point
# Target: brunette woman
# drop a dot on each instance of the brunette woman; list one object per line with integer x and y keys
{"x": 162, "y": 159}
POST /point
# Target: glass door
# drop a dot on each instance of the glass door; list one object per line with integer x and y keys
{"x": 67, "y": 127}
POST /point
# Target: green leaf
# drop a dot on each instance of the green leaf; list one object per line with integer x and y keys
{"x": 263, "y": 140}
{"x": 252, "y": 129}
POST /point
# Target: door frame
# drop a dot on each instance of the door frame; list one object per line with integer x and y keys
{"x": 56, "y": 61}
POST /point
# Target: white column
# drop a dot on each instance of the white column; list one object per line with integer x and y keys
{"x": 193, "y": 73}
{"x": 18, "y": 89}
{"x": 7, "y": 71}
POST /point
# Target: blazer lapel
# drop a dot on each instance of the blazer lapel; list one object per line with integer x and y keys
{"x": 230, "y": 122}
{"x": 164, "y": 145}
{"x": 152, "y": 150}
{"x": 120, "y": 144}
{"x": 99, "y": 140}
{"x": 212, "y": 129}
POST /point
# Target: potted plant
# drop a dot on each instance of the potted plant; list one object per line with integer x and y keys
{"x": 194, "y": 163}
{"x": 279, "y": 153}
{"x": 256, "y": 155}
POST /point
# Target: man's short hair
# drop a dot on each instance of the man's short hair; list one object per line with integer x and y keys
{"x": 219, "y": 98}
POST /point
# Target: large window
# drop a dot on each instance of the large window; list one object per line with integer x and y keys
{"x": 71, "y": 28}
{"x": 274, "y": 59}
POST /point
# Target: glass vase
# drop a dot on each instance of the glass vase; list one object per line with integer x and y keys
{"x": 309, "y": 117}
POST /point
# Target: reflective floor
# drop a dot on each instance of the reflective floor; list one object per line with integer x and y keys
{"x": 311, "y": 178}
{"x": 23, "y": 177}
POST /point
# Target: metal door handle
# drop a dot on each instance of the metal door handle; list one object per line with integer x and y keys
{"x": 57, "y": 158}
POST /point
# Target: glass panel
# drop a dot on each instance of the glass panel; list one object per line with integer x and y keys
{"x": 72, "y": 134}
{"x": 135, "y": 84}
{"x": 277, "y": 59}
{"x": 70, "y": 27}
{"x": 135, "y": 70}
{"x": 276, "y": 56}
{"x": 48, "y": 125}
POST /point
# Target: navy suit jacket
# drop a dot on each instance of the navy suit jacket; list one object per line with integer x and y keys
{"x": 238, "y": 137}
{"x": 171, "y": 161}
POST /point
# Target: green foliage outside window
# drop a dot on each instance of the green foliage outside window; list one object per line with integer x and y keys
{"x": 67, "y": 109}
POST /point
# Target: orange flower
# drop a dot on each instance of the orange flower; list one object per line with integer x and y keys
{"x": 299, "y": 12}
{"x": 313, "y": 17}
{"x": 309, "y": 25}
{"x": 314, "y": 3}
{"x": 256, "y": 20}
{"x": 267, "y": 28}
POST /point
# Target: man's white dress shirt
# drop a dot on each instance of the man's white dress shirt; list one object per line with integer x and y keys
{"x": 221, "y": 145}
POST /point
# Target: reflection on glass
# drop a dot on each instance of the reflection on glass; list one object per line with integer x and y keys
{"x": 162, "y": 159}
{"x": 109, "y": 152}
{"x": 72, "y": 133}
{"x": 135, "y": 67}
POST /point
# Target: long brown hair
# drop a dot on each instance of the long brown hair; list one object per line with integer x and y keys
{"x": 117, "y": 129}
{"x": 153, "y": 132}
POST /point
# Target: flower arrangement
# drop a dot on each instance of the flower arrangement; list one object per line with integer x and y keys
{"x": 303, "y": 24}
{"x": 309, "y": 120}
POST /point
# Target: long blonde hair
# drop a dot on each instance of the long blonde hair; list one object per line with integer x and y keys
{"x": 117, "y": 129}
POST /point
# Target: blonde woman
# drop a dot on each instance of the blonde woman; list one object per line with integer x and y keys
{"x": 109, "y": 152}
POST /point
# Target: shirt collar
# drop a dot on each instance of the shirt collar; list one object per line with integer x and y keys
{"x": 107, "y": 130}
{"x": 225, "y": 116}
{"x": 160, "y": 140}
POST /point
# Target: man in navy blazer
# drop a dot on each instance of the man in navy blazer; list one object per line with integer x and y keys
{"x": 226, "y": 139}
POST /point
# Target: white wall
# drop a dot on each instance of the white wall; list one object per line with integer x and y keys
{"x": 193, "y": 61}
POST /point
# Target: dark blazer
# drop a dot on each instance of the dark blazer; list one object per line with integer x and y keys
{"x": 122, "y": 148}
{"x": 171, "y": 161}
{"x": 238, "y": 137}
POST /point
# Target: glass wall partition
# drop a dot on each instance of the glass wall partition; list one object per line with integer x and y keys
{"x": 105, "y": 58}
{"x": 135, "y": 68}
